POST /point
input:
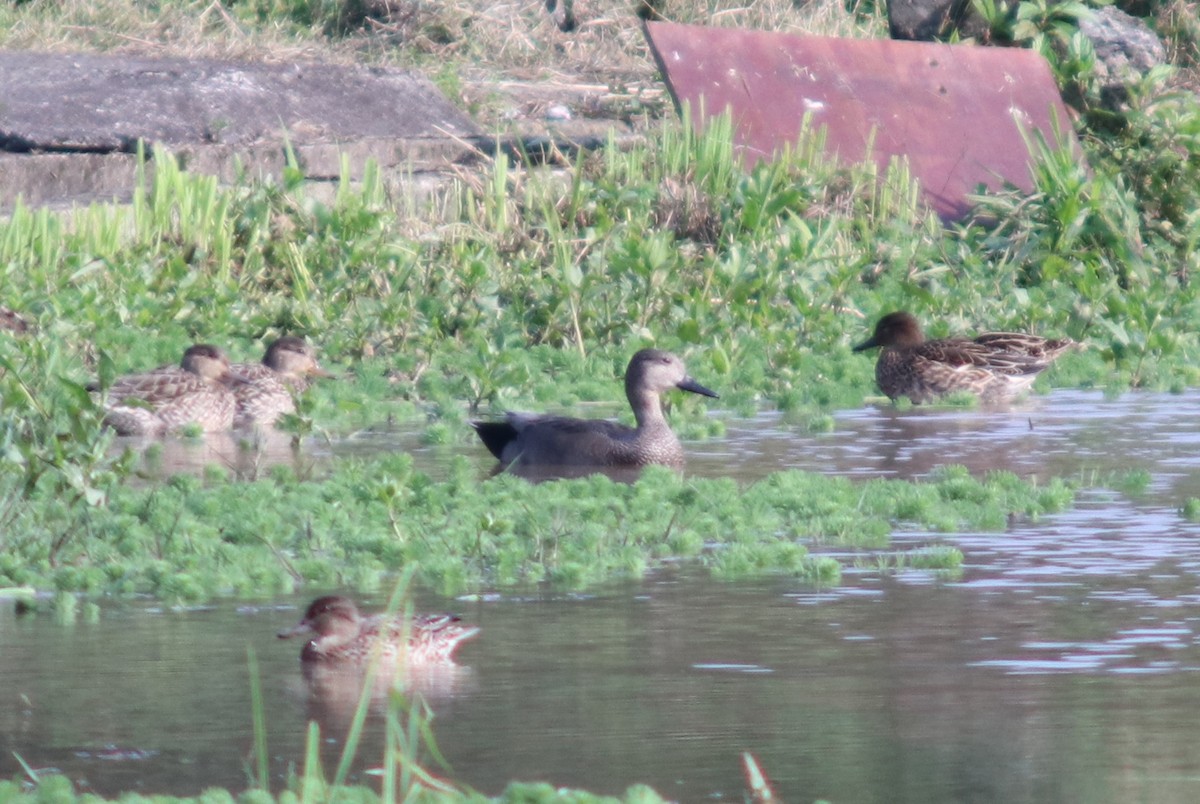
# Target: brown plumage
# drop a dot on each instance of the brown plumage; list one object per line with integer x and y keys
{"x": 339, "y": 634}
{"x": 539, "y": 440}
{"x": 269, "y": 386}
{"x": 161, "y": 401}
{"x": 995, "y": 366}
{"x": 13, "y": 321}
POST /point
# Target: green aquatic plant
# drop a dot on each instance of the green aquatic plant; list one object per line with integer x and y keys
{"x": 55, "y": 789}
{"x": 943, "y": 559}
{"x": 1132, "y": 482}
{"x": 51, "y": 445}
{"x": 193, "y": 538}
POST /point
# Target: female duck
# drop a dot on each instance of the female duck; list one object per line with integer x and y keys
{"x": 539, "y": 440}
{"x": 339, "y": 634}
{"x": 268, "y": 391}
{"x": 197, "y": 391}
{"x": 995, "y": 366}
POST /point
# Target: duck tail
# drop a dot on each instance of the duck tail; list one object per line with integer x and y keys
{"x": 495, "y": 436}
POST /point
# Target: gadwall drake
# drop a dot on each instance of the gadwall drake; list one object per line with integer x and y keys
{"x": 269, "y": 386}
{"x": 540, "y": 440}
{"x": 995, "y": 366}
{"x": 339, "y": 634}
{"x": 160, "y": 401}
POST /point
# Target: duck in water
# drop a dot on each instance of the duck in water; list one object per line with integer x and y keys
{"x": 197, "y": 391}
{"x": 531, "y": 440}
{"x": 267, "y": 392}
{"x": 994, "y": 366}
{"x": 339, "y": 634}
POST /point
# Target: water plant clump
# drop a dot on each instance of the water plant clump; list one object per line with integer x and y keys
{"x": 196, "y": 538}
{"x": 59, "y": 789}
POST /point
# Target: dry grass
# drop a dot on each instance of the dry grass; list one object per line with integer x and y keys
{"x": 189, "y": 30}
{"x": 1178, "y": 21}
{"x": 476, "y": 49}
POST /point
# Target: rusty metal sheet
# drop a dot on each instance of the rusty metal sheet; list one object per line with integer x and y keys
{"x": 952, "y": 110}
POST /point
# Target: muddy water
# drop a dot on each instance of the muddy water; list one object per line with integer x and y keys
{"x": 1062, "y": 664}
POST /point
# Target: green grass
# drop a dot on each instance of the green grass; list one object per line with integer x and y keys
{"x": 538, "y": 291}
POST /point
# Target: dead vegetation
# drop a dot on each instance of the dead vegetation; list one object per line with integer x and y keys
{"x": 501, "y": 60}
{"x": 1178, "y": 22}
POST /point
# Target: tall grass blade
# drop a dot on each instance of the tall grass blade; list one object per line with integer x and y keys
{"x": 757, "y": 782}
{"x": 30, "y": 772}
{"x": 354, "y": 733}
{"x": 259, "y": 719}
{"x": 312, "y": 780}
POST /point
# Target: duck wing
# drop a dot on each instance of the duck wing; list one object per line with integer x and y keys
{"x": 1045, "y": 350}
{"x": 426, "y": 638}
{"x": 989, "y": 353}
{"x": 553, "y": 440}
{"x": 156, "y": 387}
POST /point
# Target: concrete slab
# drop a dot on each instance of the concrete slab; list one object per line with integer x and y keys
{"x": 56, "y": 102}
{"x": 70, "y": 124}
{"x": 955, "y": 111}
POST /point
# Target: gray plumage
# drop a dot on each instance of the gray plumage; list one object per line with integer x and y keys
{"x": 531, "y": 439}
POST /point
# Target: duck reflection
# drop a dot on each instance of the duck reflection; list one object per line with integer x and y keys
{"x": 331, "y": 692}
{"x": 413, "y": 656}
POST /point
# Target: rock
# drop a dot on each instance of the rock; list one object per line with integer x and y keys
{"x": 1126, "y": 50}
{"x": 927, "y": 20}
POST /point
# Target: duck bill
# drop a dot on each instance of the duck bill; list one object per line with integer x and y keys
{"x": 317, "y": 371}
{"x": 688, "y": 384}
{"x": 869, "y": 343}
{"x": 233, "y": 379}
{"x": 295, "y": 630}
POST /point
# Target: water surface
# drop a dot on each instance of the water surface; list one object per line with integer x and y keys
{"x": 1074, "y": 434}
{"x": 1061, "y": 664}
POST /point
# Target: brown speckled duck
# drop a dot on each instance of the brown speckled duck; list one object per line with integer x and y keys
{"x": 197, "y": 391}
{"x": 339, "y": 634}
{"x": 267, "y": 391}
{"x": 540, "y": 440}
{"x": 995, "y": 366}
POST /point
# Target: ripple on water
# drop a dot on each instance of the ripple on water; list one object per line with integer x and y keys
{"x": 827, "y": 596}
{"x": 902, "y": 668}
{"x": 733, "y": 668}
